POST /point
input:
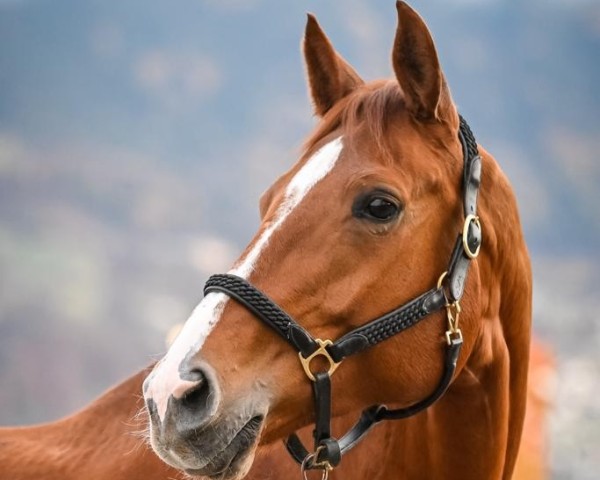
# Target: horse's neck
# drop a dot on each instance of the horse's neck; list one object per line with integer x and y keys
{"x": 473, "y": 431}
{"x": 84, "y": 445}
{"x": 498, "y": 365}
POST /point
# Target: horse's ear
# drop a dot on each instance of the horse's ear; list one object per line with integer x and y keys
{"x": 418, "y": 69}
{"x": 330, "y": 77}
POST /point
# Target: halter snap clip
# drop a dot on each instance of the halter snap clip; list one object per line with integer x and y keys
{"x": 453, "y": 313}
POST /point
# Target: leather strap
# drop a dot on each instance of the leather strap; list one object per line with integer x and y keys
{"x": 460, "y": 261}
{"x": 457, "y": 271}
{"x": 376, "y": 413}
{"x": 450, "y": 361}
{"x": 353, "y": 342}
{"x": 364, "y": 424}
{"x": 387, "y": 325}
{"x": 328, "y": 450}
{"x": 327, "y": 447}
{"x": 322, "y": 397}
{"x": 264, "y": 308}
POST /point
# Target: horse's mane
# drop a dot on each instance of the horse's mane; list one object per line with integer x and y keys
{"x": 372, "y": 107}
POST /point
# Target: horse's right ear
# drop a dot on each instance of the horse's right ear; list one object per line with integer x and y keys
{"x": 330, "y": 77}
{"x": 418, "y": 69}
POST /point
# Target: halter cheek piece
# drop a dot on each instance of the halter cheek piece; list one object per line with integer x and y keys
{"x": 328, "y": 451}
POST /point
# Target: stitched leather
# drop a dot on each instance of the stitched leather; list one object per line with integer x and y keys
{"x": 468, "y": 142}
{"x": 264, "y": 308}
{"x": 370, "y": 334}
{"x": 387, "y": 325}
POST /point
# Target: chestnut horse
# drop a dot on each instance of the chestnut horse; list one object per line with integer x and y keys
{"x": 365, "y": 221}
{"x": 102, "y": 442}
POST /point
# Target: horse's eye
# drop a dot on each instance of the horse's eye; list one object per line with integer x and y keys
{"x": 379, "y": 207}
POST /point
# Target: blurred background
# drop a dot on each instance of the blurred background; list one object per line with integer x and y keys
{"x": 136, "y": 138}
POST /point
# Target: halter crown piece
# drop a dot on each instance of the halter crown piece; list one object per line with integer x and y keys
{"x": 328, "y": 451}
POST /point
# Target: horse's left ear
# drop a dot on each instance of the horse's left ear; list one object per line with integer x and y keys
{"x": 330, "y": 77}
{"x": 418, "y": 69}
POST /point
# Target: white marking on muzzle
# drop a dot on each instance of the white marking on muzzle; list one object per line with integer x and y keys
{"x": 165, "y": 380}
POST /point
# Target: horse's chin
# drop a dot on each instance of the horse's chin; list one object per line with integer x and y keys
{"x": 234, "y": 470}
{"x": 212, "y": 454}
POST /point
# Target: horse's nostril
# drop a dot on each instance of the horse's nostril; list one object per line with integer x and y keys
{"x": 194, "y": 407}
{"x": 195, "y": 375}
{"x": 197, "y": 397}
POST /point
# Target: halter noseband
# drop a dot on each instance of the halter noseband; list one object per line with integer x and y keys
{"x": 328, "y": 451}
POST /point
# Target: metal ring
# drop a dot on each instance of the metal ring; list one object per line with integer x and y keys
{"x": 465, "y": 236}
{"x": 440, "y": 285}
{"x": 441, "y": 279}
{"x": 325, "y": 467}
{"x": 324, "y": 474}
{"x": 319, "y": 352}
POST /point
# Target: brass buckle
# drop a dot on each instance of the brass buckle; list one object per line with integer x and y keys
{"x": 321, "y": 351}
{"x": 465, "y": 235}
{"x": 307, "y": 464}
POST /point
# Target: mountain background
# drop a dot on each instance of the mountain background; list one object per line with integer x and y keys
{"x": 136, "y": 138}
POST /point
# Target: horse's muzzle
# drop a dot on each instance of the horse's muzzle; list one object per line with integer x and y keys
{"x": 202, "y": 437}
{"x": 234, "y": 459}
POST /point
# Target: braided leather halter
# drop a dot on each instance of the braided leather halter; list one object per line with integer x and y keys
{"x": 328, "y": 451}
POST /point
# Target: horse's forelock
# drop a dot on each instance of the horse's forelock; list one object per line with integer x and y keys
{"x": 372, "y": 106}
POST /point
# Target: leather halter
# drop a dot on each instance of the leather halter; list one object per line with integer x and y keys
{"x": 328, "y": 450}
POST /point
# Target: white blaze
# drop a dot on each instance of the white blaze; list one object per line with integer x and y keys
{"x": 165, "y": 380}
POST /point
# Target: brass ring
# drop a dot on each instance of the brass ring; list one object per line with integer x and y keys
{"x": 441, "y": 279}
{"x": 440, "y": 285}
{"x": 319, "y": 352}
{"x": 465, "y": 234}
{"x": 325, "y": 467}
{"x": 324, "y": 474}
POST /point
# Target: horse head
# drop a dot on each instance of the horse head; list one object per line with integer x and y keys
{"x": 365, "y": 221}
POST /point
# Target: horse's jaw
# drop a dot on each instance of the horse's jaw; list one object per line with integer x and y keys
{"x": 223, "y": 449}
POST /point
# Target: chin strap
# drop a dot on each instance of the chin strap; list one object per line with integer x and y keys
{"x": 328, "y": 451}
